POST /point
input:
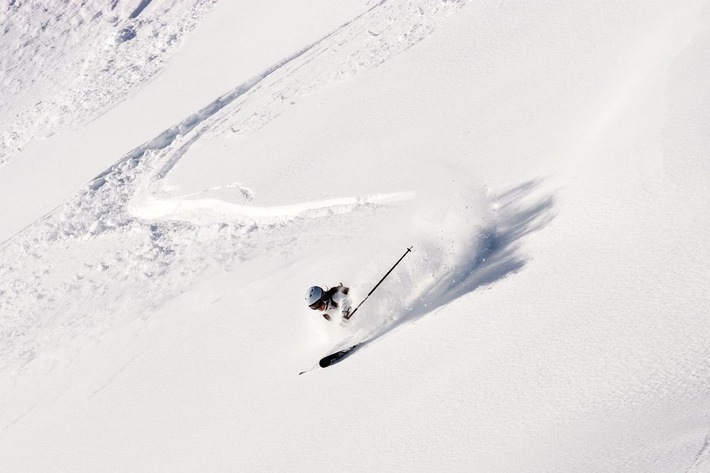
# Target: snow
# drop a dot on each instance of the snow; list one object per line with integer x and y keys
{"x": 175, "y": 174}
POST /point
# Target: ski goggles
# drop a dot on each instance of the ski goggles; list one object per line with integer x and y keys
{"x": 318, "y": 305}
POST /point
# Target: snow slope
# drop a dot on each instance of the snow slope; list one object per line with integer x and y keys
{"x": 166, "y": 210}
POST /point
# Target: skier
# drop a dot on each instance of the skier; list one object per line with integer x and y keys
{"x": 331, "y": 302}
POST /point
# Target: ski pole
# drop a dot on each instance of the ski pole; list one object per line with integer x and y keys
{"x": 347, "y": 317}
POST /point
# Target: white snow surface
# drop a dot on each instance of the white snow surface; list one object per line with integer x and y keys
{"x": 176, "y": 173}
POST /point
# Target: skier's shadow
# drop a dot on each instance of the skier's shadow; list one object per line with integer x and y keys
{"x": 492, "y": 254}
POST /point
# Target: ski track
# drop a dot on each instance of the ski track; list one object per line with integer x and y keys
{"x": 701, "y": 458}
{"x": 121, "y": 246}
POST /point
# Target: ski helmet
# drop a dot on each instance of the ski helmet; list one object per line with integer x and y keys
{"x": 314, "y": 295}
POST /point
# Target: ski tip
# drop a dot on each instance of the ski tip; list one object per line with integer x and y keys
{"x": 308, "y": 370}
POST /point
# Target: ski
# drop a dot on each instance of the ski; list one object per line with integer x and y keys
{"x": 338, "y": 356}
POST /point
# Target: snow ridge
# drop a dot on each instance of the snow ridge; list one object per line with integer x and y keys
{"x": 701, "y": 457}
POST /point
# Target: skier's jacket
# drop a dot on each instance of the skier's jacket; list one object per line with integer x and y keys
{"x": 337, "y": 301}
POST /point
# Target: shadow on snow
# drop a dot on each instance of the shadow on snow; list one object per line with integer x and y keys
{"x": 492, "y": 254}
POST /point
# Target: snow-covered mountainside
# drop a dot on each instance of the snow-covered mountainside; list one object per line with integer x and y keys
{"x": 175, "y": 174}
{"x": 63, "y": 65}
